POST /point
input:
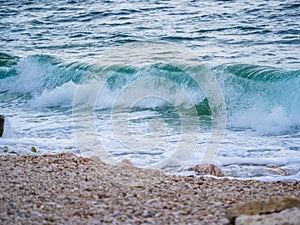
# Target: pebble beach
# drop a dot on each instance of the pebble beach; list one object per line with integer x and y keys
{"x": 206, "y": 91}
{"x": 66, "y": 189}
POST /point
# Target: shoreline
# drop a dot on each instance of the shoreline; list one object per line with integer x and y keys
{"x": 66, "y": 189}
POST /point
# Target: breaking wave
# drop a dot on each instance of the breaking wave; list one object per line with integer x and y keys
{"x": 261, "y": 98}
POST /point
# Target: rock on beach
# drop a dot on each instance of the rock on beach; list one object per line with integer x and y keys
{"x": 1, "y": 125}
{"x": 260, "y": 207}
{"x": 207, "y": 169}
{"x": 290, "y": 216}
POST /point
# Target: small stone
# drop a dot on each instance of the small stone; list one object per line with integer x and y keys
{"x": 85, "y": 159}
{"x": 67, "y": 154}
{"x": 5, "y": 149}
{"x": 14, "y": 152}
{"x": 207, "y": 169}
{"x": 33, "y": 149}
{"x": 126, "y": 162}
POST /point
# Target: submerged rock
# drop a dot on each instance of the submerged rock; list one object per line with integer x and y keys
{"x": 276, "y": 170}
{"x": 33, "y": 149}
{"x": 207, "y": 169}
{"x": 262, "y": 207}
{"x": 5, "y": 149}
{"x": 1, "y": 125}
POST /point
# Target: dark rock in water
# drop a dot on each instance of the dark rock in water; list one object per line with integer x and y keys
{"x": 1, "y": 125}
{"x": 207, "y": 169}
{"x": 33, "y": 149}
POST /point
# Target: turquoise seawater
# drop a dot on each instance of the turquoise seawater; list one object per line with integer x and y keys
{"x": 165, "y": 84}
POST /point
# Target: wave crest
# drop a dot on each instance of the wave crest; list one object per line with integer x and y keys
{"x": 262, "y": 98}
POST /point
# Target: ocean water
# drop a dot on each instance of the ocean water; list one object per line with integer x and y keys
{"x": 165, "y": 84}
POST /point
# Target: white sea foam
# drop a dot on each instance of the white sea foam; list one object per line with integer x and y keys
{"x": 253, "y": 161}
{"x": 60, "y": 96}
{"x": 275, "y": 121}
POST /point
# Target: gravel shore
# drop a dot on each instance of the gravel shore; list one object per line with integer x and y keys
{"x": 65, "y": 189}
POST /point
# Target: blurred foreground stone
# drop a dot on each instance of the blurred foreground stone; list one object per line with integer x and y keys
{"x": 280, "y": 211}
{"x": 286, "y": 217}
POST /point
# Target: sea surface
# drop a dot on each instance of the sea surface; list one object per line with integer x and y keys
{"x": 164, "y": 84}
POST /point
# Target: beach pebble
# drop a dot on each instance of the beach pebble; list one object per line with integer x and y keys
{"x": 126, "y": 162}
{"x": 207, "y": 169}
{"x": 5, "y": 149}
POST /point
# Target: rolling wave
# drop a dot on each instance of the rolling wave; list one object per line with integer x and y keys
{"x": 256, "y": 97}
